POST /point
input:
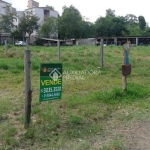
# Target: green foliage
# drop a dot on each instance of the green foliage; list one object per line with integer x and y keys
{"x": 142, "y": 22}
{"x": 70, "y": 23}
{"x": 28, "y": 23}
{"x": 110, "y": 12}
{"x": 8, "y": 137}
{"x": 49, "y": 27}
{"x": 35, "y": 65}
{"x": 133, "y": 92}
{"x": 87, "y": 29}
{"x": 4, "y": 66}
{"x": 133, "y": 30}
{"x": 16, "y": 34}
{"x": 146, "y": 32}
{"x": 51, "y": 7}
{"x": 92, "y": 110}
{"x": 29, "y": 134}
{"x": 131, "y": 19}
{"x": 110, "y": 26}
{"x": 75, "y": 120}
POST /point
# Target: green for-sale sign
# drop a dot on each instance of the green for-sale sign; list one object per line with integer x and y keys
{"x": 50, "y": 82}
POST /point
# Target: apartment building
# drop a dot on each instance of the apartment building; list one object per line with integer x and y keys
{"x": 42, "y": 13}
{"x": 32, "y": 6}
{"x": 3, "y": 4}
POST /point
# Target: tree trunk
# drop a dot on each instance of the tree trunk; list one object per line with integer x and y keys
{"x": 29, "y": 37}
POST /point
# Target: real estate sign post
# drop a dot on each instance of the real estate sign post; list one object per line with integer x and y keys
{"x": 126, "y": 67}
{"x": 50, "y": 82}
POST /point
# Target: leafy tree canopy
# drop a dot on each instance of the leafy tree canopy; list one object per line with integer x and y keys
{"x": 110, "y": 26}
{"x": 70, "y": 23}
{"x": 110, "y": 12}
{"x": 131, "y": 19}
{"x": 142, "y": 22}
{"x": 51, "y": 7}
{"x": 28, "y": 23}
{"x": 48, "y": 27}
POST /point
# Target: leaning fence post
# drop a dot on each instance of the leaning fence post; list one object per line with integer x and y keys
{"x": 27, "y": 82}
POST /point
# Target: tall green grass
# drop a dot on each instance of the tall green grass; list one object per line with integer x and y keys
{"x": 88, "y": 108}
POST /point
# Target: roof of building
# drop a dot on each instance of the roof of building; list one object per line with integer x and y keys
{"x": 112, "y": 37}
{"x": 48, "y": 39}
{"x": 42, "y": 8}
{"x": 4, "y": 2}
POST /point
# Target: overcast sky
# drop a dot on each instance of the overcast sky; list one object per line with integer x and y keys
{"x": 93, "y": 9}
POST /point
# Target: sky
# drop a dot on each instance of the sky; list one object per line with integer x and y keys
{"x": 93, "y": 9}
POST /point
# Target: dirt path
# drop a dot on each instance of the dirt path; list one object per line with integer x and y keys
{"x": 134, "y": 137}
{"x": 138, "y": 136}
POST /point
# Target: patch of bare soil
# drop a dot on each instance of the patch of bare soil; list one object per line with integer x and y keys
{"x": 138, "y": 136}
{"x": 148, "y": 57}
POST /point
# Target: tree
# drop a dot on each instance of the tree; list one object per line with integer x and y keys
{"x": 131, "y": 19}
{"x": 49, "y": 27}
{"x": 6, "y": 20}
{"x": 110, "y": 26}
{"x": 133, "y": 30}
{"x": 70, "y": 23}
{"x": 16, "y": 34}
{"x": 142, "y": 22}
{"x": 51, "y": 7}
{"x": 131, "y": 23}
{"x": 28, "y": 24}
{"x": 110, "y": 12}
{"x": 147, "y": 31}
{"x": 87, "y": 29}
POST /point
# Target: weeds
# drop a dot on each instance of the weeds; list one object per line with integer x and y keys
{"x": 88, "y": 108}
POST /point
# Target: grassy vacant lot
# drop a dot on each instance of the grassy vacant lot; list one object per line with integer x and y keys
{"x": 93, "y": 109}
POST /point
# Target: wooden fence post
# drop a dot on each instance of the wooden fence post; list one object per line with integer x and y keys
{"x": 126, "y": 67}
{"x": 124, "y": 78}
{"x": 101, "y": 53}
{"x": 6, "y": 46}
{"x": 28, "y": 92}
{"x": 58, "y": 46}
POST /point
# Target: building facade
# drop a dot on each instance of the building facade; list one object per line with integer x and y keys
{"x": 41, "y": 13}
{"x": 2, "y": 5}
{"x": 33, "y": 6}
{"x": 3, "y": 35}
